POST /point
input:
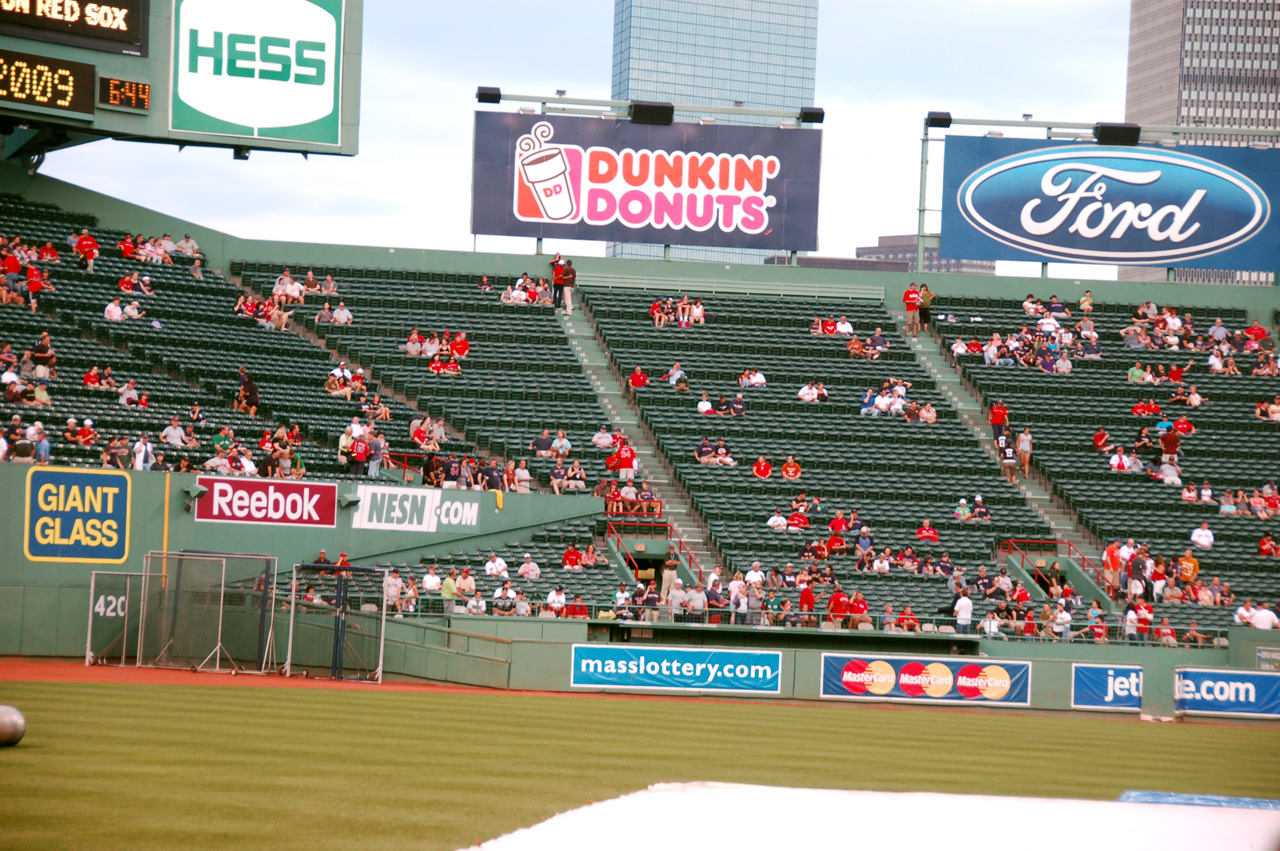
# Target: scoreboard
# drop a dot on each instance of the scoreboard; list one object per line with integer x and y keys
{"x": 278, "y": 75}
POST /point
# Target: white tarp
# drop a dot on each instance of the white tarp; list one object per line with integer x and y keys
{"x": 714, "y": 815}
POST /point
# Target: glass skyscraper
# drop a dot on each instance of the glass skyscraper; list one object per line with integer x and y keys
{"x": 749, "y": 53}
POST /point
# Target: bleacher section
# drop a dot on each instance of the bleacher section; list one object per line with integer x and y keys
{"x": 894, "y": 474}
{"x": 194, "y": 355}
{"x": 520, "y": 377}
{"x": 1230, "y": 448}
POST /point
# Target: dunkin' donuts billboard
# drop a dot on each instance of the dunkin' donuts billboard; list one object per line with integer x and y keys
{"x": 1145, "y": 205}
{"x": 678, "y": 184}
{"x": 922, "y": 679}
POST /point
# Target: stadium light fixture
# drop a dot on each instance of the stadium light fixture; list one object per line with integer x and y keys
{"x": 1117, "y": 134}
{"x": 652, "y": 112}
{"x": 938, "y": 119}
{"x": 489, "y": 94}
{"x": 240, "y": 152}
{"x": 812, "y": 114}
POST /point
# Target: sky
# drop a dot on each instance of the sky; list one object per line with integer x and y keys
{"x": 880, "y": 67}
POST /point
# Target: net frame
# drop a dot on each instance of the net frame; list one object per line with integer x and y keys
{"x": 341, "y": 613}
{"x": 162, "y": 597}
{"x": 102, "y": 658}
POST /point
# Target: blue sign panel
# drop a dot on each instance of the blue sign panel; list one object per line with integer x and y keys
{"x": 1030, "y": 199}
{"x": 1116, "y": 688}
{"x": 77, "y": 515}
{"x": 925, "y": 679}
{"x": 678, "y": 184}
{"x": 1207, "y": 691}
{"x": 630, "y": 667}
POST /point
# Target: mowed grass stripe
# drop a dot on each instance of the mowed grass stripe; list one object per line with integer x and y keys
{"x": 130, "y": 766}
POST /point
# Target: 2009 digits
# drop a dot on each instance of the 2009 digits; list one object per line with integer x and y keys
{"x": 22, "y": 81}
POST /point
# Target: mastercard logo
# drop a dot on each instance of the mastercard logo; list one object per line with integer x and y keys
{"x": 991, "y": 682}
{"x": 917, "y": 679}
{"x": 862, "y": 677}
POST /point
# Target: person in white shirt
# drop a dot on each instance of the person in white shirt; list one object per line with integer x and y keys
{"x": 134, "y": 311}
{"x": 392, "y": 590}
{"x": 959, "y": 348}
{"x": 1063, "y": 365}
{"x": 602, "y": 438}
{"x": 1264, "y": 618}
{"x": 884, "y": 403}
{"x": 704, "y": 404}
{"x": 1127, "y": 549}
{"x": 143, "y": 456}
{"x": 555, "y": 599}
{"x": 1062, "y": 623}
{"x": 497, "y": 565}
{"x": 964, "y": 612}
{"x": 1244, "y": 614}
{"x": 990, "y": 627}
{"x": 755, "y": 574}
{"x": 476, "y": 605}
{"x": 881, "y": 564}
{"x": 1118, "y": 462}
{"x": 431, "y": 582}
{"x": 114, "y": 312}
{"x": 777, "y": 521}
{"x": 342, "y": 316}
{"x": 173, "y": 433}
{"x": 844, "y": 327}
{"x": 529, "y": 569}
{"x": 1203, "y": 536}
{"x": 188, "y": 246}
{"x": 808, "y": 393}
{"x": 341, "y": 371}
{"x": 757, "y": 378}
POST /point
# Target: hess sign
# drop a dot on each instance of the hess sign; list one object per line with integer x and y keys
{"x": 1207, "y": 207}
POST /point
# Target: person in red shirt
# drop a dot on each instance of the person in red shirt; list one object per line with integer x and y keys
{"x": 1146, "y": 613}
{"x": 838, "y": 607}
{"x": 836, "y": 544}
{"x": 85, "y": 435}
{"x": 927, "y": 532}
{"x": 460, "y": 347}
{"x": 657, "y": 314}
{"x": 1183, "y": 426}
{"x": 1266, "y": 546}
{"x": 1165, "y": 633}
{"x": 998, "y": 417}
{"x": 911, "y": 304}
{"x": 838, "y": 523}
{"x": 127, "y": 249}
{"x": 453, "y": 367}
{"x": 1176, "y": 372}
{"x": 1099, "y": 630}
{"x": 858, "y": 610}
{"x": 829, "y": 325}
{"x": 973, "y": 347}
{"x": 1102, "y": 441}
{"x": 798, "y": 520}
{"x": 626, "y": 461}
{"x": 907, "y": 620}
{"x": 1257, "y": 332}
{"x": 91, "y": 378}
{"x": 49, "y": 254}
{"x": 762, "y": 469}
{"x": 637, "y": 379}
{"x": 573, "y": 558}
{"x": 577, "y": 609}
{"x": 808, "y": 602}
{"x": 87, "y": 247}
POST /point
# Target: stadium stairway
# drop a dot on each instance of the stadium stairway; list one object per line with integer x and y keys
{"x": 971, "y": 411}
{"x": 611, "y": 390}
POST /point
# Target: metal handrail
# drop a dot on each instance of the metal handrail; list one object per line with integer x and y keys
{"x": 673, "y": 537}
{"x": 1086, "y": 564}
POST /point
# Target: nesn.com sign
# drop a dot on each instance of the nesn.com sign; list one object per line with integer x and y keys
{"x": 414, "y": 509}
{"x": 632, "y": 668}
{"x": 267, "y": 70}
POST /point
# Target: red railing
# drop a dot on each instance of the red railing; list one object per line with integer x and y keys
{"x": 400, "y": 460}
{"x": 1087, "y": 564}
{"x": 673, "y": 541}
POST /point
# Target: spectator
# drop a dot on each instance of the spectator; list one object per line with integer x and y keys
{"x": 1202, "y": 537}
{"x": 113, "y": 312}
{"x": 637, "y": 379}
{"x": 962, "y": 609}
{"x": 790, "y": 469}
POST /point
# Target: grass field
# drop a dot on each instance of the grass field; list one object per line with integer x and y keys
{"x": 167, "y": 766}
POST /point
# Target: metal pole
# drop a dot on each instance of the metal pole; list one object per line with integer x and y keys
{"x": 88, "y": 638}
{"x": 382, "y": 634}
{"x": 666, "y": 252}
{"x": 1044, "y": 270}
{"x": 924, "y": 175}
{"x": 288, "y": 654}
{"x": 538, "y": 249}
{"x": 795, "y": 259}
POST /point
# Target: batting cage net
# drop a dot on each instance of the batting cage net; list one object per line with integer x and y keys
{"x": 337, "y": 621}
{"x": 207, "y": 612}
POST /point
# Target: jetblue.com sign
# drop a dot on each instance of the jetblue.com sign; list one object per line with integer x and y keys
{"x": 1206, "y": 691}
{"x": 681, "y": 184}
{"x": 1021, "y": 199}
{"x": 1116, "y": 688}
{"x": 632, "y": 668}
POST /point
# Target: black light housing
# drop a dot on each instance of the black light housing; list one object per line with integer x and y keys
{"x": 1117, "y": 134}
{"x": 812, "y": 114}
{"x": 489, "y": 94}
{"x": 651, "y": 112}
{"x": 938, "y": 119}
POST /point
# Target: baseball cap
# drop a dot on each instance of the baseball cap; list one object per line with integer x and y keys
{"x": 88, "y": 423}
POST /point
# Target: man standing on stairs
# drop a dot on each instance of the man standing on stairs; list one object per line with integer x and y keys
{"x": 557, "y": 280}
{"x": 626, "y": 461}
{"x": 999, "y": 418}
{"x": 911, "y": 301}
{"x": 670, "y": 575}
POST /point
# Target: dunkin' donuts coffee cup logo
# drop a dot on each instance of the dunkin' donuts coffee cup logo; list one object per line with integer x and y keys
{"x": 677, "y": 190}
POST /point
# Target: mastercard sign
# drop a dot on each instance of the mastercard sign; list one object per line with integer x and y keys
{"x": 925, "y": 680}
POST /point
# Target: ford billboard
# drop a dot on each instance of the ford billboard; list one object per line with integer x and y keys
{"x": 1022, "y": 199}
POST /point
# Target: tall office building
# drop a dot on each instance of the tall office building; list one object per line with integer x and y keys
{"x": 1204, "y": 62}
{"x": 750, "y": 53}
{"x": 903, "y": 249}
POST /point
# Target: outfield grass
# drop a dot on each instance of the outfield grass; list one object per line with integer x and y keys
{"x": 116, "y": 766}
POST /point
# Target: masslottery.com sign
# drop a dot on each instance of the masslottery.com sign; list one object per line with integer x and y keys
{"x": 266, "y": 69}
{"x": 687, "y": 184}
{"x": 634, "y": 668}
{"x": 925, "y": 680}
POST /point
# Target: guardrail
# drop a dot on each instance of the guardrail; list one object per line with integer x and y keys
{"x": 1087, "y": 565}
{"x": 729, "y": 286}
{"x": 673, "y": 541}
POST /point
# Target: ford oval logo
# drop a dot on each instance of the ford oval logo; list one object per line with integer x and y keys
{"x": 1131, "y": 206}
